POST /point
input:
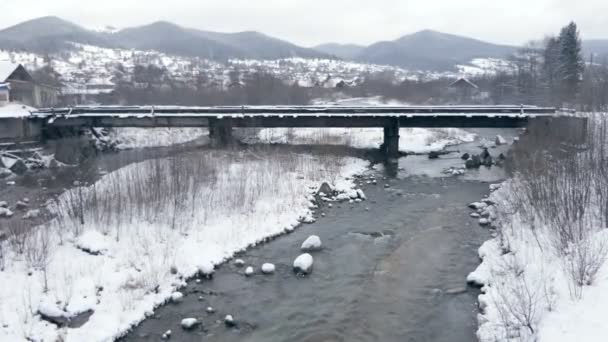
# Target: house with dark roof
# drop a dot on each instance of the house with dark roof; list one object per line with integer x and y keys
{"x": 464, "y": 89}
{"x": 24, "y": 89}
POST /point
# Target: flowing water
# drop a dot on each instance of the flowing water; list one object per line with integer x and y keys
{"x": 393, "y": 268}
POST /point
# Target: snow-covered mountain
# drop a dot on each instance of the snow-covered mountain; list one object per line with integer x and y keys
{"x": 53, "y": 35}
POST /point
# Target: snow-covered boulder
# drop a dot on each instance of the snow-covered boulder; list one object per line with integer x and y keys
{"x": 268, "y": 268}
{"x": 249, "y": 271}
{"x": 308, "y": 218}
{"x": 229, "y": 321}
{"x": 49, "y": 311}
{"x": 206, "y": 268}
{"x": 484, "y": 221}
{"x": 500, "y": 140}
{"x": 303, "y": 264}
{"x": 190, "y": 323}
{"x": 312, "y": 243}
{"x": 177, "y": 297}
{"x": 239, "y": 262}
{"x": 166, "y": 335}
{"x": 31, "y": 214}
{"x": 92, "y": 242}
{"x": 4, "y": 212}
{"x": 3, "y": 204}
{"x": 210, "y": 310}
{"x": 361, "y": 194}
{"x": 325, "y": 190}
{"x": 478, "y": 205}
{"x": 342, "y": 197}
{"x": 20, "y": 205}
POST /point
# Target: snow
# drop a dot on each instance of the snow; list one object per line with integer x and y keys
{"x": 92, "y": 241}
{"x": 31, "y": 214}
{"x": 4, "y": 212}
{"x": 177, "y": 297}
{"x": 129, "y": 138}
{"x": 249, "y": 271}
{"x": 312, "y": 243}
{"x": 229, "y": 320}
{"x": 303, "y": 263}
{"x": 412, "y": 140}
{"x": 500, "y": 140}
{"x": 189, "y": 323}
{"x": 268, "y": 268}
{"x": 239, "y": 262}
{"x": 206, "y": 267}
{"x": 15, "y": 110}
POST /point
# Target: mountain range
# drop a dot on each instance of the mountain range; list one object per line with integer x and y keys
{"x": 424, "y": 50}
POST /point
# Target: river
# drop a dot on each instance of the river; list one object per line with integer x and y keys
{"x": 393, "y": 268}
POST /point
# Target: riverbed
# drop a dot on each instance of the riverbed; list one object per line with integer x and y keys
{"x": 393, "y": 267}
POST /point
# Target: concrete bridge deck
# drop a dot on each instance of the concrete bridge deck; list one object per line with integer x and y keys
{"x": 220, "y": 120}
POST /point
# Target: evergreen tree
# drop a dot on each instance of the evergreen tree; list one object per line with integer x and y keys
{"x": 571, "y": 64}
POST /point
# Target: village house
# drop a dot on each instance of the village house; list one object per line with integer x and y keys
{"x": 463, "y": 89}
{"x": 24, "y": 89}
{"x": 4, "y": 93}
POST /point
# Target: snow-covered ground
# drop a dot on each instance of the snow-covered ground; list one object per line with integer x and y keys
{"x": 412, "y": 140}
{"x": 528, "y": 293}
{"x": 128, "y": 138}
{"x": 146, "y": 228}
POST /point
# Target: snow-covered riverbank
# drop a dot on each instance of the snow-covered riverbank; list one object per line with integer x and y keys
{"x": 147, "y": 227}
{"x": 543, "y": 275}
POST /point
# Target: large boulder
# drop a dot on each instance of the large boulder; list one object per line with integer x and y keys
{"x": 303, "y": 264}
{"x": 325, "y": 189}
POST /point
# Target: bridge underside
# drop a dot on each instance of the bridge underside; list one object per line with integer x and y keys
{"x": 473, "y": 121}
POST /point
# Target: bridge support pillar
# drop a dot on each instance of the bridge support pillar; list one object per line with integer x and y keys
{"x": 220, "y": 132}
{"x": 390, "y": 147}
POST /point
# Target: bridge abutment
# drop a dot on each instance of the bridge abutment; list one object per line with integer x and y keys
{"x": 390, "y": 146}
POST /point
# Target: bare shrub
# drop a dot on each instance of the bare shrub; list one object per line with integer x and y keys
{"x": 520, "y": 301}
{"x": 38, "y": 251}
{"x": 561, "y": 188}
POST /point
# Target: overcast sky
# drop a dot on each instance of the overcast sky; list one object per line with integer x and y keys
{"x": 310, "y": 22}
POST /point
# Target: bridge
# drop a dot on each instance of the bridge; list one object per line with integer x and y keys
{"x": 221, "y": 120}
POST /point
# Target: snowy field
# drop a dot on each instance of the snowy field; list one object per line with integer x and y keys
{"x": 412, "y": 140}
{"x": 122, "y": 246}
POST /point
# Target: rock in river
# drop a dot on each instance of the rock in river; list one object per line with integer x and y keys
{"x": 190, "y": 323}
{"x": 313, "y": 243}
{"x": 303, "y": 264}
{"x": 268, "y": 268}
